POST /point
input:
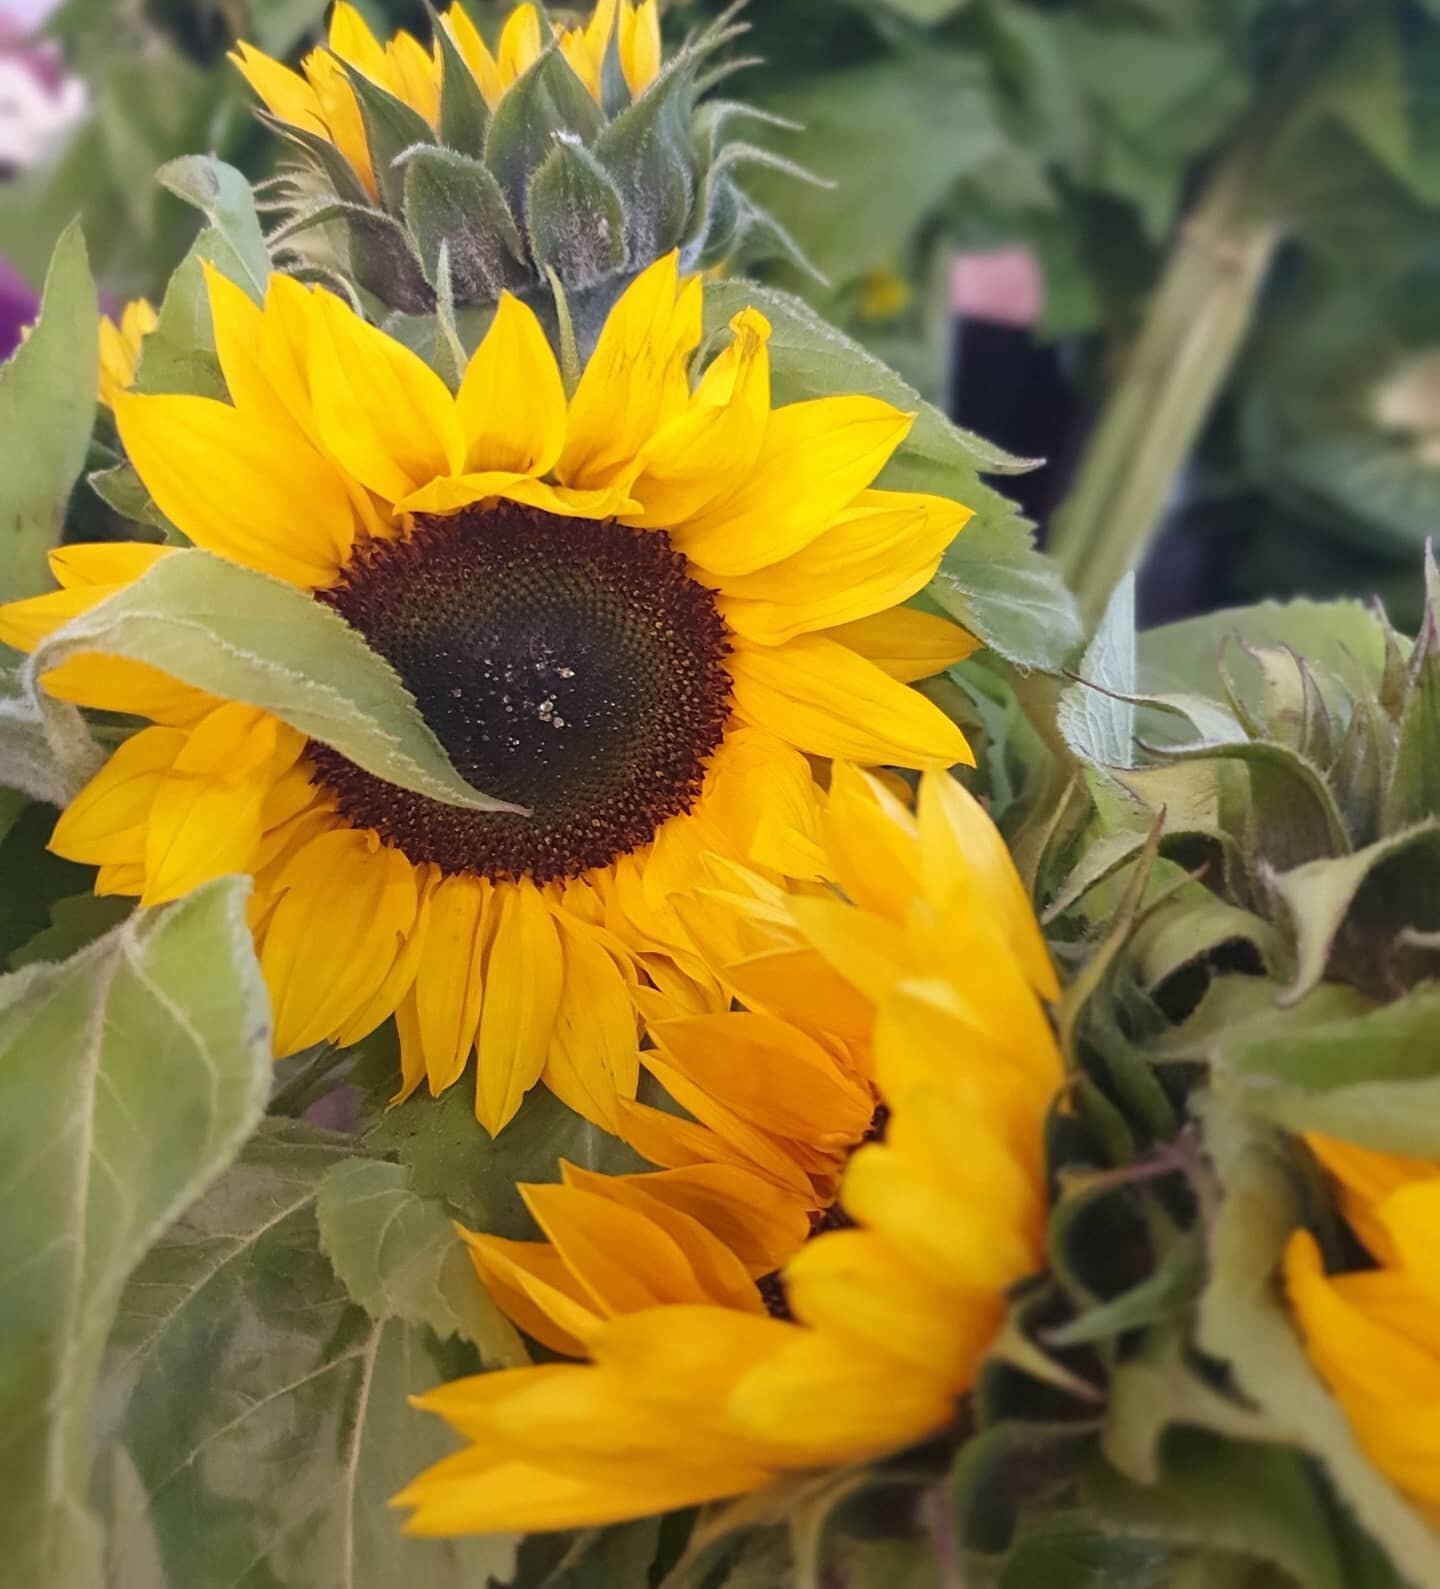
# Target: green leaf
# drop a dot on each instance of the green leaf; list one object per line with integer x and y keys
{"x": 1099, "y": 723}
{"x": 45, "y": 748}
{"x": 1370, "y": 1076}
{"x": 455, "y": 203}
{"x": 1186, "y": 930}
{"x": 1344, "y": 639}
{"x": 244, "y": 636}
{"x": 223, "y": 196}
{"x": 888, "y": 184}
{"x": 258, "y": 1415}
{"x": 450, "y": 1155}
{"x": 76, "y": 920}
{"x": 129, "y": 1077}
{"x": 575, "y": 217}
{"x": 400, "y": 1258}
{"x": 992, "y": 580}
{"x": 1243, "y": 1322}
{"x": 548, "y": 100}
{"x": 1253, "y": 1501}
{"x": 179, "y": 354}
{"x": 121, "y": 488}
{"x": 47, "y": 410}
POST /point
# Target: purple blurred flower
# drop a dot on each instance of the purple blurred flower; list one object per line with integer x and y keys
{"x": 19, "y": 304}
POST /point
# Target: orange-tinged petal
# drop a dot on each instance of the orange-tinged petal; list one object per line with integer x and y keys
{"x": 105, "y": 822}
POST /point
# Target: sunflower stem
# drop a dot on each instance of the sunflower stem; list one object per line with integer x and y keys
{"x": 1148, "y": 427}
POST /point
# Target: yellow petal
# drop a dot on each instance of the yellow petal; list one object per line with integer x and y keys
{"x": 824, "y": 1399}
{"x": 351, "y": 39}
{"x": 527, "y": 1496}
{"x": 828, "y": 701}
{"x": 24, "y": 624}
{"x": 640, "y": 44}
{"x": 906, "y": 643}
{"x": 511, "y": 401}
{"x": 116, "y": 684}
{"x": 878, "y": 553}
{"x": 284, "y": 93}
{"x": 960, "y": 842}
{"x": 105, "y": 822}
{"x": 816, "y": 458}
{"x": 634, "y": 380}
{"x": 475, "y": 53}
{"x": 448, "y": 982}
{"x": 522, "y": 971}
{"x": 768, "y": 1072}
{"x": 340, "y": 111}
{"x": 530, "y": 1281}
{"x": 104, "y": 562}
{"x": 851, "y": 1283}
{"x": 702, "y": 452}
{"x": 236, "y": 484}
{"x": 464, "y": 490}
{"x": 593, "y": 1057}
{"x": 386, "y": 416}
{"x": 345, "y": 905}
{"x": 722, "y": 1277}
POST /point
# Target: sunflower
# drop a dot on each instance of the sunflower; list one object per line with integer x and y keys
{"x": 120, "y": 345}
{"x": 885, "y": 1320}
{"x": 633, "y": 612}
{"x": 319, "y": 99}
{"x": 1374, "y": 1334}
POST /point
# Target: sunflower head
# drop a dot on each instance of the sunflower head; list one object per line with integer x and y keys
{"x": 460, "y": 172}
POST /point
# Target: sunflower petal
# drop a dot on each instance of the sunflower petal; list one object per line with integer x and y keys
{"x": 523, "y": 972}
{"x": 511, "y": 401}
{"x": 828, "y": 701}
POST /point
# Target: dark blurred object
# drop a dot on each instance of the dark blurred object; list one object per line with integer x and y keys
{"x": 19, "y": 304}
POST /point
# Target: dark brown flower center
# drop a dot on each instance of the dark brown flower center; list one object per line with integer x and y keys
{"x": 569, "y": 665}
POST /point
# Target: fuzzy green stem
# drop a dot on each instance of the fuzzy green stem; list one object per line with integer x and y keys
{"x": 1192, "y": 333}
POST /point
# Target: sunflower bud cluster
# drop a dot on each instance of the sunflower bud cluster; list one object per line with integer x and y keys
{"x": 568, "y": 156}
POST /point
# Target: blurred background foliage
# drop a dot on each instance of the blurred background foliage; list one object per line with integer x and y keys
{"x": 1232, "y": 204}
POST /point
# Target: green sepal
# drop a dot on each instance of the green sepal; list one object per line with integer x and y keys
{"x": 548, "y": 100}
{"x": 464, "y": 115}
{"x": 391, "y": 127}
{"x": 1414, "y": 787}
{"x": 575, "y": 217}
{"x": 647, "y": 152}
{"x": 382, "y": 254}
{"x": 454, "y": 202}
{"x": 323, "y": 154}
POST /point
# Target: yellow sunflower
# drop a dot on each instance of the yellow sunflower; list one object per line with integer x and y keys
{"x": 120, "y": 345}
{"x": 1374, "y": 1334}
{"x": 690, "y": 1397}
{"x": 630, "y": 611}
{"x": 319, "y": 98}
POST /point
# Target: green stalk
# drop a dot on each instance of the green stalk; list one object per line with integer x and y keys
{"x": 1196, "y": 323}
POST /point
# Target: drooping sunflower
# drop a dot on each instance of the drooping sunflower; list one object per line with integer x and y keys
{"x": 630, "y": 611}
{"x": 120, "y": 345}
{"x": 1374, "y": 1334}
{"x": 885, "y": 1319}
{"x": 319, "y": 99}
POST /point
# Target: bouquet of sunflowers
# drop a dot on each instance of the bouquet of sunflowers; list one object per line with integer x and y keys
{"x": 603, "y": 986}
